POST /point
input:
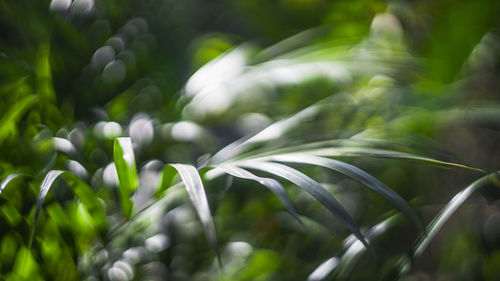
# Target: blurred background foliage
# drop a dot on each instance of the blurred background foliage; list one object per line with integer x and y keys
{"x": 183, "y": 79}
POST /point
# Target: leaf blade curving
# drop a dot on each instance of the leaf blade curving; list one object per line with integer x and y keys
{"x": 358, "y": 175}
{"x": 88, "y": 198}
{"x": 196, "y": 191}
{"x": 124, "y": 160}
{"x": 272, "y": 184}
{"x": 312, "y": 187}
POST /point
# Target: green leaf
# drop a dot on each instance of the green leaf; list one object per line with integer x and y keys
{"x": 194, "y": 186}
{"x": 81, "y": 189}
{"x": 11, "y": 117}
{"x": 380, "y": 153}
{"x": 330, "y": 148}
{"x": 8, "y": 180}
{"x": 43, "y": 73}
{"x": 310, "y": 186}
{"x": 25, "y": 266}
{"x": 172, "y": 197}
{"x": 273, "y": 131}
{"x": 123, "y": 153}
{"x": 404, "y": 264}
{"x": 271, "y": 184}
{"x": 354, "y": 249}
{"x": 358, "y": 175}
{"x": 324, "y": 269}
{"x": 167, "y": 179}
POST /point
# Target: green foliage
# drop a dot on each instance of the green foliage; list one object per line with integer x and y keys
{"x": 165, "y": 119}
{"x": 127, "y": 173}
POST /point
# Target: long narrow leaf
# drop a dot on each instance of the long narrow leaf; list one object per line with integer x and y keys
{"x": 80, "y": 188}
{"x": 194, "y": 186}
{"x": 331, "y": 148}
{"x": 353, "y": 252}
{"x": 324, "y": 269}
{"x": 380, "y": 153}
{"x": 271, "y": 132}
{"x": 8, "y": 180}
{"x": 404, "y": 264}
{"x": 358, "y": 175}
{"x": 173, "y": 196}
{"x": 271, "y": 184}
{"x": 313, "y": 188}
{"x": 127, "y": 173}
{"x": 44, "y": 188}
{"x": 15, "y": 112}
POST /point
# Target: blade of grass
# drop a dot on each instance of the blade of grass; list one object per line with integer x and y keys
{"x": 380, "y": 153}
{"x": 15, "y": 112}
{"x": 358, "y": 175}
{"x": 354, "y": 250}
{"x": 404, "y": 264}
{"x": 271, "y": 184}
{"x": 271, "y": 132}
{"x": 124, "y": 159}
{"x": 324, "y": 269}
{"x": 8, "y": 180}
{"x": 325, "y": 148}
{"x": 310, "y": 186}
{"x": 81, "y": 189}
{"x": 173, "y": 196}
{"x": 194, "y": 186}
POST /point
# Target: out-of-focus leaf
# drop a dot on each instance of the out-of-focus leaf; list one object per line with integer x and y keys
{"x": 175, "y": 195}
{"x": 80, "y": 188}
{"x": 271, "y": 132}
{"x": 8, "y": 180}
{"x": 358, "y": 175}
{"x": 322, "y": 271}
{"x": 127, "y": 172}
{"x": 447, "y": 50}
{"x": 310, "y": 186}
{"x": 194, "y": 186}
{"x": 44, "y": 188}
{"x": 354, "y": 250}
{"x": 64, "y": 146}
{"x": 44, "y": 75}
{"x": 271, "y": 184}
{"x": 15, "y": 112}
{"x": 404, "y": 264}
{"x": 261, "y": 265}
{"x": 25, "y": 266}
